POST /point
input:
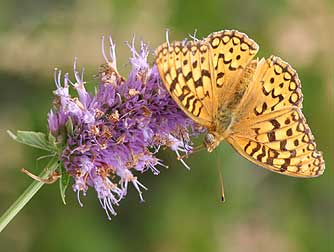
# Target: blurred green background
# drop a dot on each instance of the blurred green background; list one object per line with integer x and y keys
{"x": 263, "y": 212}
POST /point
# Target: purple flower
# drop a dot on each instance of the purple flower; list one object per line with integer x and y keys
{"x": 118, "y": 130}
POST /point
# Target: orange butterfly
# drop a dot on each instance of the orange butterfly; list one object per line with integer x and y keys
{"x": 255, "y": 105}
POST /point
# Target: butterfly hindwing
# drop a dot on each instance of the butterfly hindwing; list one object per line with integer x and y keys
{"x": 270, "y": 129}
{"x": 282, "y": 144}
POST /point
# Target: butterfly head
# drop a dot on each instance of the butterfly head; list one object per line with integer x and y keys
{"x": 211, "y": 141}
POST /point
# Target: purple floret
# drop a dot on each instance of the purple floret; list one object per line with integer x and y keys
{"x": 118, "y": 131}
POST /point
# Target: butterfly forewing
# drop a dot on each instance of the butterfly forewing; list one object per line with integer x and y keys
{"x": 231, "y": 53}
{"x": 186, "y": 71}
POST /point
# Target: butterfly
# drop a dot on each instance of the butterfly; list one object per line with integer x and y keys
{"x": 253, "y": 104}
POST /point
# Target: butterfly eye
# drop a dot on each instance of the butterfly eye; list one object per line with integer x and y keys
{"x": 210, "y": 142}
{"x": 209, "y": 139}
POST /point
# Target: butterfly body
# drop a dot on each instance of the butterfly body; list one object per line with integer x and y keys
{"x": 228, "y": 110}
{"x": 255, "y": 105}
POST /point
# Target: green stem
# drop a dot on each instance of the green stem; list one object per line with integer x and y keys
{"x": 16, "y": 207}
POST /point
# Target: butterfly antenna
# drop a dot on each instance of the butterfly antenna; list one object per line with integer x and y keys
{"x": 167, "y": 38}
{"x": 221, "y": 179}
{"x": 193, "y": 36}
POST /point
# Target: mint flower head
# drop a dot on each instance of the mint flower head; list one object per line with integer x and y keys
{"x": 113, "y": 136}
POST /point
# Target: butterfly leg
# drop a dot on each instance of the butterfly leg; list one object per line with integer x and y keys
{"x": 194, "y": 150}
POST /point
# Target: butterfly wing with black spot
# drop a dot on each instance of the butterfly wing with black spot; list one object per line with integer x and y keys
{"x": 232, "y": 51}
{"x": 269, "y": 128}
{"x": 186, "y": 71}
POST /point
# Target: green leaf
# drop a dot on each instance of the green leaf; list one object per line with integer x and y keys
{"x": 46, "y": 156}
{"x": 63, "y": 182}
{"x": 52, "y": 139}
{"x": 34, "y": 139}
{"x": 69, "y": 126}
